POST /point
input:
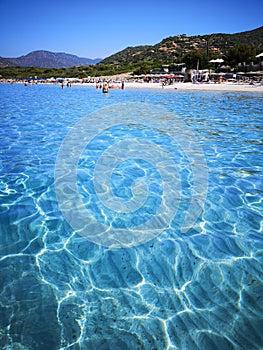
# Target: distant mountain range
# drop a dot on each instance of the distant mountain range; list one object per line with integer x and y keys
{"x": 47, "y": 59}
{"x": 175, "y": 46}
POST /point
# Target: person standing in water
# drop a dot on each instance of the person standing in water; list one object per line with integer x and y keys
{"x": 105, "y": 88}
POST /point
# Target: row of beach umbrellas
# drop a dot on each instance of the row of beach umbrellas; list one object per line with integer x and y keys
{"x": 220, "y": 60}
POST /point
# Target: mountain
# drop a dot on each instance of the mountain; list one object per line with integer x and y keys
{"x": 174, "y": 46}
{"x": 47, "y": 59}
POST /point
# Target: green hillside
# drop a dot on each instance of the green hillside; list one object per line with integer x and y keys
{"x": 174, "y": 47}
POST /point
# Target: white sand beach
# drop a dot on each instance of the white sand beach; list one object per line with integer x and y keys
{"x": 200, "y": 86}
{"x": 177, "y": 86}
{"x": 237, "y": 87}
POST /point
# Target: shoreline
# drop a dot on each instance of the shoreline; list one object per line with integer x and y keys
{"x": 188, "y": 86}
{"x": 179, "y": 86}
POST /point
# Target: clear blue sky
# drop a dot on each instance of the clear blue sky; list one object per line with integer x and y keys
{"x": 100, "y": 28}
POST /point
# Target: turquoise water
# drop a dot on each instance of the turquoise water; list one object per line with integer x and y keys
{"x": 196, "y": 290}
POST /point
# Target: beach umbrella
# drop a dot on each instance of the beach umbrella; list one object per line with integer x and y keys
{"x": 219, "y": 74}
{"x": 217, "y": 60}
{"x": 255, "y": 73}
{"x": 60, "y": 79}
{"x": 173, "y": 76}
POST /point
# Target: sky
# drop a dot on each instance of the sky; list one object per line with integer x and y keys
{"x": 100, "y": 28}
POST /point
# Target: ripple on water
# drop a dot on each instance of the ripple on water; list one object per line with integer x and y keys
{"x": 199, "y": 290}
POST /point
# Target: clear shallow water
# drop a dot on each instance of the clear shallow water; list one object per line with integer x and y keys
{"x": 199, "y": 290}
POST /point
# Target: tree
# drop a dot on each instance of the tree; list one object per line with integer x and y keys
{"x": 194, "y": 59}
{"x": 239, "y": 54}
{"x": 143, "y": 68}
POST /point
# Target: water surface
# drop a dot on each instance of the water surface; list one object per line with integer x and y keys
{"x": 200, "y": 290}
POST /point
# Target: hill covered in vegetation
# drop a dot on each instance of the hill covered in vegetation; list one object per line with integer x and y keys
{"x": 174, "y": 47}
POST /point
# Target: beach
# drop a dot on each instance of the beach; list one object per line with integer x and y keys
{"x": 188, "y": 86}
{"x": 115, "y": 82}
{"x": 201, "y": 86}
